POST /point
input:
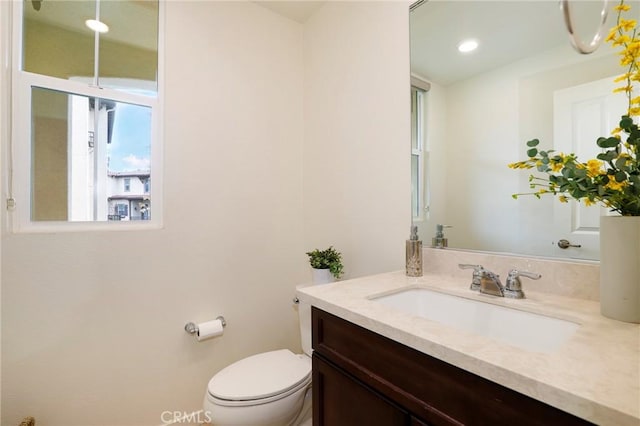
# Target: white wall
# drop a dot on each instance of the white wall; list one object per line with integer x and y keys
{"x": 357, "y": 133}
{"x": 282, "y": 138}
{"x": 93, "y": 322}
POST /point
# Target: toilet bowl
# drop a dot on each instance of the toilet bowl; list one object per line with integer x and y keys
{"x": 267, "y": 389}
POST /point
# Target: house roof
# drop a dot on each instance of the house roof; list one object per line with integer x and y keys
{"x": 136, "y": 173}
{"x": 130, "y": 197}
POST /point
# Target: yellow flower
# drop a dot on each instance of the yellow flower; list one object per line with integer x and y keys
{"x": 615, "y": 185}
{"x": 520, "y": 165}
{"x": 622, "y": 7}
{"x": 626, "y": 24}
{"x": 556, "y": 166}
{"x": 594, "y": 167}
{"x": 622, "y": 77}
{"x": 563, "y": 199}
{"x": 623, "y": 39}
{"x": 588, "y": 202}
{"x": 622, "y": 89}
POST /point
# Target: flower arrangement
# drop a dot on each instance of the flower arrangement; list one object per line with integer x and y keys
{"x": 611, "y": 179}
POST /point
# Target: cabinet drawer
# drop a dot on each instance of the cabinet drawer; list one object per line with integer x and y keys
{"x": 433, "y": 390}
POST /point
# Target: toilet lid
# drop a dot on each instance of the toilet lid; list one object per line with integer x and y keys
{"x": 260, "y": 376}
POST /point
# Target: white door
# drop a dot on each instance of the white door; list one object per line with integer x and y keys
{"x": 582, "y": 114}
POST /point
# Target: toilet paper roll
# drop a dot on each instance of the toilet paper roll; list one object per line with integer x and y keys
{"x": 209, "y": 329}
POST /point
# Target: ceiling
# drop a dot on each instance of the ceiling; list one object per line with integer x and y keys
{"x": 299, "y": 10}
{"x": 507, "y": 31}
{"x": 132, "y": 22}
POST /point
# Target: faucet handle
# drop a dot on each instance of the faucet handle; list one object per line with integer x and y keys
{"x": 513, "y": 287}
{"x": 478, "y": 272}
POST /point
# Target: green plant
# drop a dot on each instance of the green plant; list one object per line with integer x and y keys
{"x": 613, "y": 177}
{"x": 330, "y": 259}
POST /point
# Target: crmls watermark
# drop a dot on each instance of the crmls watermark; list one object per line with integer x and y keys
{"x": 174, "y": 417}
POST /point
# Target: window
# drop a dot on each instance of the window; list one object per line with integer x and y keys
{"x": 88, "y": 102}
{"x": 122, "y": 210}
{"x": 419, "y": 156}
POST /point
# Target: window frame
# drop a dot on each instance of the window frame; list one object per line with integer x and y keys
{"x": 421, "y": 153}
{"x": 19, "y": 152}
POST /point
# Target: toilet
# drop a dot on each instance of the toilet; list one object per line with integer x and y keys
{"x": 267, "y": 389}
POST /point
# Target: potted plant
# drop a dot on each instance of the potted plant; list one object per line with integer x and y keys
{"x": 326, "y": 265}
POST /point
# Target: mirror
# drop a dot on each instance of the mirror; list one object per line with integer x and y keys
{"x": 479, "y": 109}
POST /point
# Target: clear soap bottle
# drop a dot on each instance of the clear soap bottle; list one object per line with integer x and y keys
{"x": 414, "y": 254}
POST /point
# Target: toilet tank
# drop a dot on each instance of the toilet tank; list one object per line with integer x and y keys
{"x": 304, "y": 316}
{"x": 304, "y": 312}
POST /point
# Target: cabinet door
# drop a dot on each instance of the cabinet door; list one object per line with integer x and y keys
{"x": 340, "y": 400}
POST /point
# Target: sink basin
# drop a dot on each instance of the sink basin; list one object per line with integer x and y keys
{"x": 533, "y": 332}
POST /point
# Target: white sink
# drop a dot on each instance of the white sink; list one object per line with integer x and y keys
{"x": 533, "y": 332}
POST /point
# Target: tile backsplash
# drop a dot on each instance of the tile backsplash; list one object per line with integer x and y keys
{"x": 571, "y": 278}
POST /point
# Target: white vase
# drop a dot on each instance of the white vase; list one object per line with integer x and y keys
{"x": 321, "y": 276}
{"x": 620, "y": 268}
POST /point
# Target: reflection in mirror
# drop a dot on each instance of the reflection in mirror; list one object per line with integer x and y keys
{"x": 484, "y": 105}
{"x": 57, "y": 42}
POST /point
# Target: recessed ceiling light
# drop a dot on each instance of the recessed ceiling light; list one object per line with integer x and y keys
{"x": 97, "y": 26}
{"x": 467, "y": 46}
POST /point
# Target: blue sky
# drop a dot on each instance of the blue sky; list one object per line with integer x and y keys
{"x": 130, "y": 147}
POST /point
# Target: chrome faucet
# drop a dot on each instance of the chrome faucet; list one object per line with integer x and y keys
{"x": 513, "y": 288}
{"x": 477, "y": 275}
{"x": 488, "y": 282}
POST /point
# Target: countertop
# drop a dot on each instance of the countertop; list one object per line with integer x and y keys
{"x": 595, "y": 375}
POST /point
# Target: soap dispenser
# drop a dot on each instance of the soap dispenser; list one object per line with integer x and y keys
{"x": 414, "y": 254}
{"x": 439, "y": 241}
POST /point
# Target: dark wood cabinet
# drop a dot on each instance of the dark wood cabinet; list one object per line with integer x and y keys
{"x": 363, "y": 378}
{"x": 351, "y": 402}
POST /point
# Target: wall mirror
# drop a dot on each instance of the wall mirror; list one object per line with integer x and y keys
{"x": 473, "y": 112}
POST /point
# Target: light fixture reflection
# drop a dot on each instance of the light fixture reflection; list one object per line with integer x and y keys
{"x": 97, "y": 26}
{"x": 467, "y": 46}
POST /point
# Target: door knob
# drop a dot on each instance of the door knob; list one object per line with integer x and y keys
{"x": 564, "y": 244}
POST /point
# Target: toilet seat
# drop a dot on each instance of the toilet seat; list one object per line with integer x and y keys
{"x": 260, "y": 379}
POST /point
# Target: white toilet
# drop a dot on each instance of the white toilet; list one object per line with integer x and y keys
{"x": 267, "y": 389}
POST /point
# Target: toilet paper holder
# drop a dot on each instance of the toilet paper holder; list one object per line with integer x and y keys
{"x": 192, "y": 328}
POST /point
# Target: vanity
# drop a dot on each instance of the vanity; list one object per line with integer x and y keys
{"x": 378, "y": 364}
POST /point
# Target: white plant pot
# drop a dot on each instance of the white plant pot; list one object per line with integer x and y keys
{"x": 321, "y": 276}
{"x": 620, "y": 268}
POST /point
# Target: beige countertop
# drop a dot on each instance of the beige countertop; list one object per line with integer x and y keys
{"x": 595, "y": 375}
